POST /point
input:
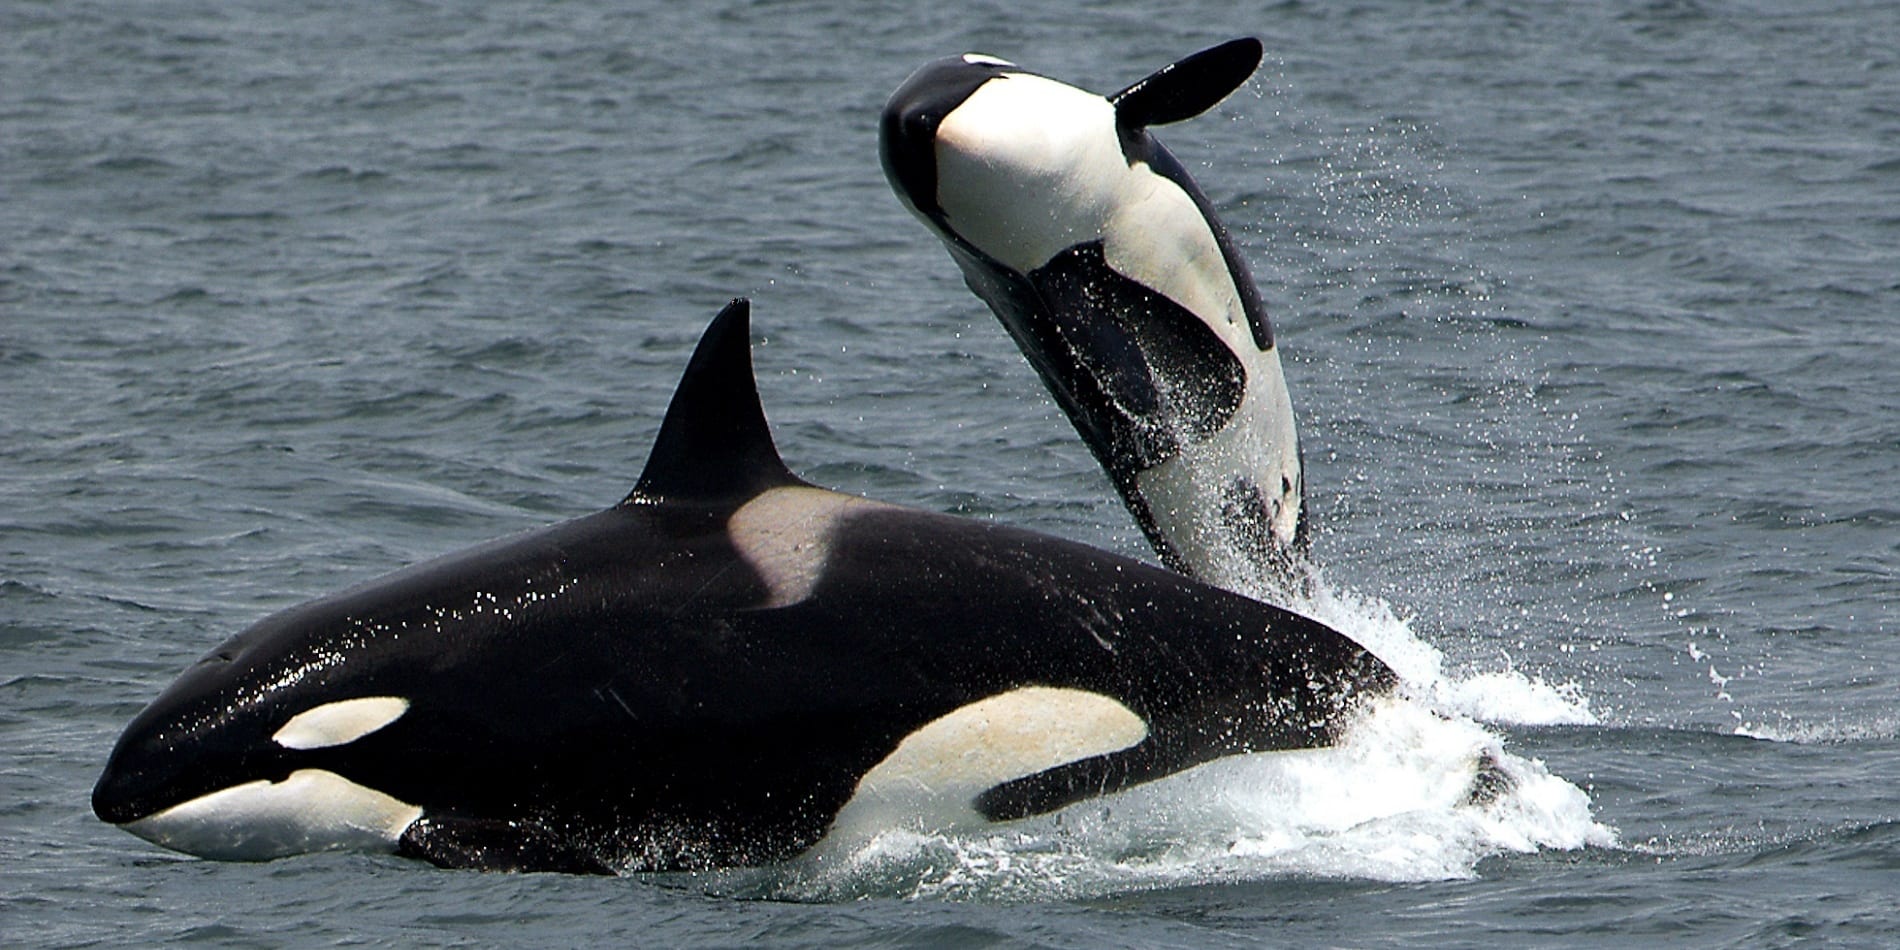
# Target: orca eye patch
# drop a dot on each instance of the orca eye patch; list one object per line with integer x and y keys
{"x": 344, "y": 721}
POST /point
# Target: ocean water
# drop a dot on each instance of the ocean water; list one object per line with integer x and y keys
{"x": 1589, "y": 314}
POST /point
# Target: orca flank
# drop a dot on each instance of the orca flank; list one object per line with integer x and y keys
{"x": 719, "y": 670}
{"x": 1109, "y": 268}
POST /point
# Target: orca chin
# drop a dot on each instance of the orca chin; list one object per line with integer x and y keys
{"x": 307, "y": 811}
{"x": 719, "y": 670}
{"x": 1109, "y": 268}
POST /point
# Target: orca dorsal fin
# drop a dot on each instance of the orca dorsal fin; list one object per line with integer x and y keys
{"x": 1189, "y": 87}
{"x": 715, "y": 443}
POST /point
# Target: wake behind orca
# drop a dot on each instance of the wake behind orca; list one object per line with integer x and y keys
{"x": 1109, "y": 268}
{"x": 714, "y": 672}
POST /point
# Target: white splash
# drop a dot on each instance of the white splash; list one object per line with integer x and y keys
{"x": 1503, "y": 697}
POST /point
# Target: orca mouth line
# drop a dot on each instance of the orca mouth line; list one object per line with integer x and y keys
{"x": 125, "y": 797}
{"x": 137, "y": 785}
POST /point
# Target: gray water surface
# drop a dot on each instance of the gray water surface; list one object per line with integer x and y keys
{"x": 1590, "y": 317}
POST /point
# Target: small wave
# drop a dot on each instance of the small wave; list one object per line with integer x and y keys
{"x": 345, "y": 174}
{"x": 1829, "y": 732}
{"x": 1840, "y": 844}
{"x": 133, "y": 163}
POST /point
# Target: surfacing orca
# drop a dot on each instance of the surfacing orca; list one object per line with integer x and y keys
{"x": 713, "y": 672}
{"x": 1110, "y": 269}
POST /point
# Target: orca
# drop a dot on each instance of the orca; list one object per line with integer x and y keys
{"x": 1109, "y": 268}
{"x": 714, "y": 672}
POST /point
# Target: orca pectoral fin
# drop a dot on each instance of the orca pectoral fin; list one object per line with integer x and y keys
{"x": 1155, "y": 362}
{"x": 496, "y": 845}
{"x": 1051, "y": 789}
{"x": 1185, "y": 89}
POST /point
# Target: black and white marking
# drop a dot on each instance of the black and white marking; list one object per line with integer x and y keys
{"x": 716, "y": 671}
{"x": 1109, "y": 268}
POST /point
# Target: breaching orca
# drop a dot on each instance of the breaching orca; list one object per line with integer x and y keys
{"x": 1109, "y": 268}
{"x": 709, "y": 673}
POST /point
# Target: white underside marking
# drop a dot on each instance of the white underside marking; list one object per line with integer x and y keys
{"x": 311, "y": 810}
{"x": 1185, "y": 493}
{"x": 785, "y": 534}
{"x": 929, "y": 782}
{"x": 1028, "y": 166}
{"x": 1159, "y": 238}
{"x": 344, "y": 721}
